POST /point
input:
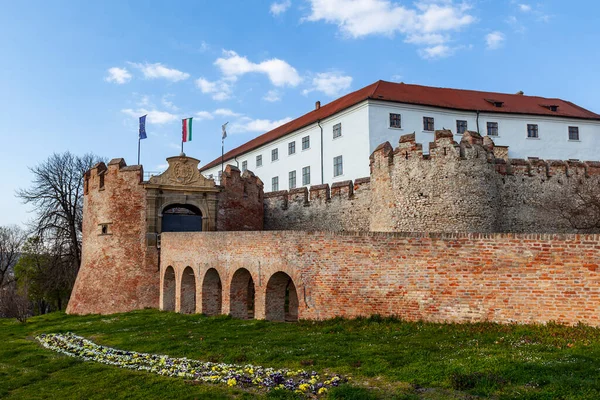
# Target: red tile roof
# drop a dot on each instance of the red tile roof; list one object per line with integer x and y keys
{"x": 457, "y": 99}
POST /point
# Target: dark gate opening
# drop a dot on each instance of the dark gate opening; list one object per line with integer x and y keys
{"x": 181, "y": 218}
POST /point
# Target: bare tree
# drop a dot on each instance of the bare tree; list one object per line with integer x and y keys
{"x": 57, "y": 195}
{"x": 578, "y": 205}
{"x": 14, "y": 302}
{"x": 11, "y": 240}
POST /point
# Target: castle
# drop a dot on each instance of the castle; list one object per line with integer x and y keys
{"x": 460, "y": 234}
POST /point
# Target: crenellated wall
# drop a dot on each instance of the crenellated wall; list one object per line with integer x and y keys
{"x": 343, "y": 207}
{"x": 457, "y": 187}
{"x": 240, "y": 205}
{"x": 117, "y": 272}
{"x": 122, "y": 223}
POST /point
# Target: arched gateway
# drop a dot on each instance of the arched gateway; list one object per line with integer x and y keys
{"x": 281, "y": 299}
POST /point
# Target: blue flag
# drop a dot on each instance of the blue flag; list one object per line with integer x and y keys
{"x": 143, "y": 127}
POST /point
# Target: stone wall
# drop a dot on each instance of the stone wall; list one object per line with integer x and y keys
{"x": 460, "y": 277}
{"x": 117, "y": 272}
{"x": 343, "y": 207}
{"x": 456, "y": 187}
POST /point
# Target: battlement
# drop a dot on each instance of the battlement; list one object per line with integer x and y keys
{"x": 246, "y": 184}
{"x": 318, "y": 194}
{"x": 473, "y": 146}
{"x": 100, "y": 175}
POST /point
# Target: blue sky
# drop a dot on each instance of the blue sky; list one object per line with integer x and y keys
{"x": 76, "y": 75}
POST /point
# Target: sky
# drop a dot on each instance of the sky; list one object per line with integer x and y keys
{"x": 76, "y": 75}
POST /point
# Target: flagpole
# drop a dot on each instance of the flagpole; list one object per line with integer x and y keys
{"x": 139, "y": 140}
{"x": 223, "y": 136}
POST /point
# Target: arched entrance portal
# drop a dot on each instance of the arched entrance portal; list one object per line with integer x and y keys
{"x": 281, "y": 300}
{"x": 212, "y": 293}
{"x": 169, "y": 290}
{"x": 188, "y": 291}
{"x": 181, "y": 218}
{"x": 241, "y": 295}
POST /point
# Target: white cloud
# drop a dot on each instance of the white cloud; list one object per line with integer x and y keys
{"x": 154, "y": 116}
{"x": 118, "y": 75}
{"x": 281, "y": 7}
{"x": 428, "y": 23}
{"x": 525, "y": 7}
{"x": 330, "y": 83}
{"x": 246, "y": 124}
{"x": 168, "y": 103}
{"x": 204, "y": 115}
{"x": 220, "y": 90}
{"x": 494, "y": 40}
{"x": 435, "y": 52}
{"x": 225, "y": 112}
{"x": 272, "y": 96}
{"x": 280, "y": 73}
{"x": 157, "y": 70}
{"x": 358, "y": 18}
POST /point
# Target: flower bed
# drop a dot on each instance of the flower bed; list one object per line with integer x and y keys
{"x": 246, "y": 376}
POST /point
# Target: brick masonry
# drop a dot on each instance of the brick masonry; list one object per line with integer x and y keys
{"x": 118, "y": 273}
{"x": 459, "y": 277}
{"x": 122, "y": 219}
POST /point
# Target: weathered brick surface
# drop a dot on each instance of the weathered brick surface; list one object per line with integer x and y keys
{"x": 455, "y": 277}
{"x": 457, "y": 187}
{"x": 117, "y": 274}
{"x": 240, "y": 206}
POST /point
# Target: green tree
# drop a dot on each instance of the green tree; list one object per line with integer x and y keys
{"x": 43, "y": 272}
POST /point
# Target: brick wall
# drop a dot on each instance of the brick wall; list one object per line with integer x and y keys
{"x": 240, "y": 205}
{"x": 117, "y": 272}
{"x": 456, "y": 277}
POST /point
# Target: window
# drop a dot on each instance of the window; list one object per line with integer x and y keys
{"x": 275, "y": 184}
{"x": 104, "y": 229}
{"x": 428, "y": 124}
{"x": 338, "y": 166}
{"x": 244, "y": 165}
{"x": 573, "y": 133}
{"x": 292, "y": 147}
{"x": 220, "y": 175}
{"x": 259, "y": 161}
{"x": 337, "y": 130}
{"x": 305, "y": 142}
{"x": 274, "y": 155}
{"x": 101, "y": 184}
{"x": 395, "y": 121}
{"x": 492, "y": 129}
{"x": 461, "y": 127}
{"x": 292, "y": 176}
{"x": 532, "y": 131}
{"x": 306, "y": 176}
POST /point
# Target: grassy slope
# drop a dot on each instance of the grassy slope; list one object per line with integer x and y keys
{"x": 394, "y": 359}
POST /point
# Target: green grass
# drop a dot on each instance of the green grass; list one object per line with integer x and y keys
{"x": 386, "y": 358}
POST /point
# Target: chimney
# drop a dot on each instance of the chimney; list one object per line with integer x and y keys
{"x": 317, "y": 105}
{"x": 520, "y": 92}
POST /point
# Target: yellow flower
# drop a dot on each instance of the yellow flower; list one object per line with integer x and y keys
{"x": 231, "y": 382}
{"x": 304, "y": 387}
{"x": 322, "y": 391}
{"x": 312, "y": 381}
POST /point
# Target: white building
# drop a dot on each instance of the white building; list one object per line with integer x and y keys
{"x": 333, "y": 143}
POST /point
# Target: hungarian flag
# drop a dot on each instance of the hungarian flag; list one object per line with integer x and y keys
{"x": 186, "y": 130}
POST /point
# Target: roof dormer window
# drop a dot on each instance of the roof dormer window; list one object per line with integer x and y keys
{"x": 551, "y": 107}
{"x": 496, "y": 103}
